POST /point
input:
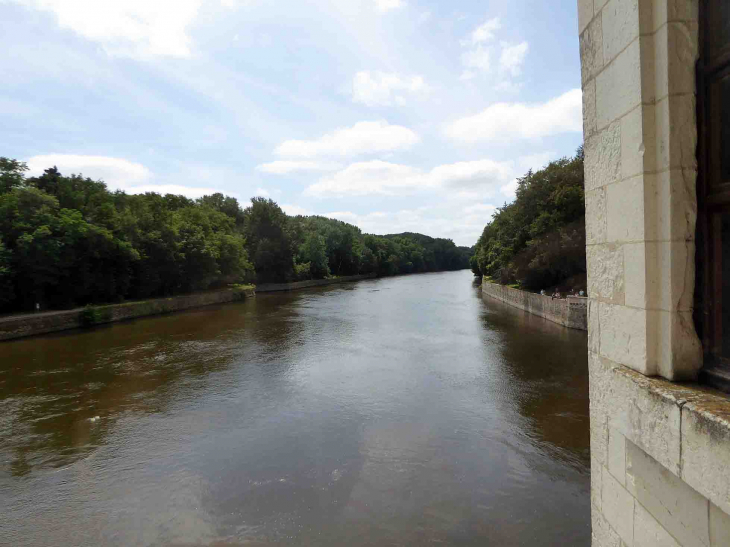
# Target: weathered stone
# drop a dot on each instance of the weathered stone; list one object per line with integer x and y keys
{"x": 585, "y": 14}
{"x": 675, "y": 50}
{"x": 678, "y": 508}
{"x": 648, "y": 55}
{"x": 632, "y": 143}
{"x": 625, "y": 204}
{"x": 591, "y": 50}
{"x": 635, "y": 274}
{"x": 671, "y": 205}
{"x": 598, "y": 5}
{"x": 603, "y": 157}
{"x": 624, "y": 337}
{"x": 589, "y": 109}
{"x": 673, "y": 10}
{"x": 676, "y": 132}
{"x": 602, "y": 535}
{"x": 605, "y": 272}
{"x": 719, "y": 527}
{"x": 618, "y": 87}
{"x": 678, "y": 347}
{"x": 644, "y": 410}
{"x": 648, "y": 532}
{"x": 620, "y": 26}
{"x": 617, "y": 455}
{"x": 617, "y": 506}
{"x": 706, "y": 448}
{"x": 595, "y": 216}
{"x": 596, "y": 483}
{"x": 594, "y": 327}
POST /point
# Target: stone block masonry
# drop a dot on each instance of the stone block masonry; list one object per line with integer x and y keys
{"x": 571, "y": 312}
{"x": 660, "y": 451}
{"x": 660, "y": 461}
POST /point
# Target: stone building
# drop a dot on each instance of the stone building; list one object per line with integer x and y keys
{"x": 656, "y": 112}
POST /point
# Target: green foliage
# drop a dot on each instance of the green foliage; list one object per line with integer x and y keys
{"x": 538, "y": 240}
{"x": 93, "y": 315}
{"x": 68, "y": 241}
{"x": 266, "y": 228}
{"x": 7, "y": 291}
{"x": 11, "y": 174}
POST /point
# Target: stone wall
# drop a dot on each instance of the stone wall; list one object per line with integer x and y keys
{"x": 570, "y": 312}
{"x": 42, "y": 323}
{"x": 660, "y": 452}
{"x": 660, "y": 461}
{"x": 277, "y": 287}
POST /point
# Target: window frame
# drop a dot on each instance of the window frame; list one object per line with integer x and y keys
{"x": 710, "y": 201}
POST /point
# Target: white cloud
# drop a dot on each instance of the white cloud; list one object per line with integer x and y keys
{"x": 372, "y": 177}
{"x": 475, "y": 60}
{"x": 478, "y": 57}
{"x": 513, "y": 57}
{"x": 127, "y": 27}
{"x": 507, "y": 122}
{"x": 480, "y": 208}
{"x": 361, "y": 138}
{"x": 379, "y": 177}
{"x": 462, "y": 224}
{"x": 387, "y": 5}
{"x": 382, "y": 89}
{"x": 117, "y": 173}
{"x": 187, "y": 191}
{"x": 283, "y": 167}
{"x": 294, "y": 210}
{"x": 483, "y": 33}
{"x": 262, "y": 192}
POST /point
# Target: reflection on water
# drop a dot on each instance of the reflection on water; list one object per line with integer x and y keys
{"x": 395, "y": 411}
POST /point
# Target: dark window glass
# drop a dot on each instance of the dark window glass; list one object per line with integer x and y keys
{"x": 718, "y": 27}
{"x": 725, "y": 130}
{"x": 723, "y": 289}
{"x": 712, "y": 306}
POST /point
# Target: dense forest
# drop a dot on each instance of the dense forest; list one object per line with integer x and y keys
{"x": 538, "y": 241}
{"x": 68, "y": 241}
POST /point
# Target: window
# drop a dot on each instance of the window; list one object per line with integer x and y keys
{"x": 712, "y": 308}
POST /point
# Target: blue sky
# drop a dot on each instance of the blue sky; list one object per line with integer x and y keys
{"x": 395, "y": 115}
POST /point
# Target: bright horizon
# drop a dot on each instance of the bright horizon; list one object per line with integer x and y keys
{"x": 392, "y": 115}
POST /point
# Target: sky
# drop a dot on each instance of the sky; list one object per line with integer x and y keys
{"x": 394, "y": 115}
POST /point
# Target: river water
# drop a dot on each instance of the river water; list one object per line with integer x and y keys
{"x": 396, "y": 411}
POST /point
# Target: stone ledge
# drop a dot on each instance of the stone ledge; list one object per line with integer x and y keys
{"x": 703, "y": 429}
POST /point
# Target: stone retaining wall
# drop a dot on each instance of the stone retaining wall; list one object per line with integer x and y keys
{"x": 570, "y": 312}
{"x": 42, "y": 323}
{"x": 276, "y": 287}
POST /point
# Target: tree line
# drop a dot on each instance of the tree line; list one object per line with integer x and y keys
{"x": 69, "y": 241}
{"x": 538, "y": 240}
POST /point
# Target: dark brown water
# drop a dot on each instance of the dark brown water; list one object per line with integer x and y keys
{"x": 401, "y": 411}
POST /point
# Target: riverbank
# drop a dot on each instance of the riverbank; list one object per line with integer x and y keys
{"x": 21, "y": 326}
{"x": 277, "y": 287}
{"x": 570, "y": 312}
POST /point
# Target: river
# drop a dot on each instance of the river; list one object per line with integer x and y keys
{"x": 398, "y": 411}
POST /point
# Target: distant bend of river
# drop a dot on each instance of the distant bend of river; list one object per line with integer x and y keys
{"x": 397, "y": 411}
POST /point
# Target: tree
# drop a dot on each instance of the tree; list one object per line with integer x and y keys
{"x": 539, "y": 239}
{"x": 7, "y": 290}
{"x": 12, "y": 174}
{"x": 314, "y": 252}
{"x": 266, "y": 229}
